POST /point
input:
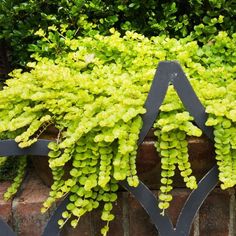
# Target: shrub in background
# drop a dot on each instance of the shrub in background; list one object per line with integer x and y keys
{"x": 20, "y": 19}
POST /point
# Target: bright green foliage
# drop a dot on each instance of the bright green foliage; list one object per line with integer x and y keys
{"x": 20, "y": 19}
{"x": 225, "y": 145}
{"x": 2, "y": 161}
{"x": 171, "y": 129}
{"x": 94, "y": 94}
{"x": 213, "y": 61}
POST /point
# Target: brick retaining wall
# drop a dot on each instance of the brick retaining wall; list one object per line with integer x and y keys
{"x": 216, "y": 216}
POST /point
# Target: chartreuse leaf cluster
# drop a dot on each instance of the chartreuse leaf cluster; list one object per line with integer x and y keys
{"x": 94, "y": 95}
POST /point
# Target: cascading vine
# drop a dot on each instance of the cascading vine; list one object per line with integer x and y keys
{"x": 97, "y": 166}
{"x": 225, "y": 149}
{"x": 171, "y": 129}
{"x": 173, "y": 148}
{"x": 222, "y": 117}
{"x": 94, "y": 95}
{"x": 20, "y": 173}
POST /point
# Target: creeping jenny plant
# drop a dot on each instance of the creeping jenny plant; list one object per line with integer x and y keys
{"x": 94, "y": 96}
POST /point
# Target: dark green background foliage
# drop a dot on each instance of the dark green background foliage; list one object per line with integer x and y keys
{"x": 19, "y": 19}
{"x": 9, "y": 169}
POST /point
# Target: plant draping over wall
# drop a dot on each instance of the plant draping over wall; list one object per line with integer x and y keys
{"x": 94, "y": 95}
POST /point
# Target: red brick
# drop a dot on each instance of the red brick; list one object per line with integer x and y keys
{"x": 139, "y": 221}
{"x": 148, "y": 164}
{"x": 27, "y": 218}
{"x": 213, "y": 217}
{"x": 215, "y": 214}
{"x": 176, "y": 205}
{"x": 5, "y": 206}
{"x": 202, "y": 155}
{"x": 201, "y": 152}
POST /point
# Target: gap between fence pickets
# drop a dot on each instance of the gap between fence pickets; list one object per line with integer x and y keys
{"x": 232, "y": 209}
{"x": 125, "y": 213}
{"x": 91, "y": 222}
{"x": 14, "y": 205}
{"x": 196, "y": 225}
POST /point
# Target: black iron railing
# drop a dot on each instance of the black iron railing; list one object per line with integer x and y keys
{"x": 167, "y": 72}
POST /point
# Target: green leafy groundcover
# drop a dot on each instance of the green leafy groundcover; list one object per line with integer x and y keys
{"x": 20, "y": 19}
{"x": 94, "y": 94}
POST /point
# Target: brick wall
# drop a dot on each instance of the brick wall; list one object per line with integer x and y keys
{"x": 216, "y": 217}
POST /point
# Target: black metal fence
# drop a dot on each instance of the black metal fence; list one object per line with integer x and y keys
{"x": 167, "y": 72}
